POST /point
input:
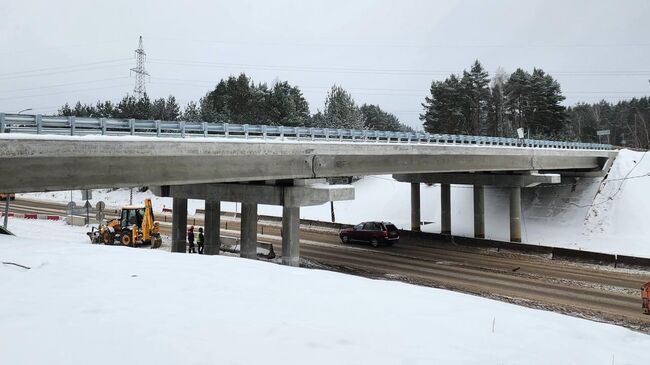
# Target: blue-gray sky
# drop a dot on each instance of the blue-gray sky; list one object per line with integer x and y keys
{"x": 383, "y": 52}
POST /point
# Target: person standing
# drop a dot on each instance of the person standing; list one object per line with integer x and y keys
{"x": 200, "y": 240}
{"x": 190, "y": 240}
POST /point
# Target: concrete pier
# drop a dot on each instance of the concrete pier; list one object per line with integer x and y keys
{"x": 445, "y": 208}
{"x": 479, "y": 211}
{"x": 291, "y": 236}
{"x": 179, "y": 225}
{"x": 415, "y": 207}
{"x": 212, "y": 227}
{"x": 248, "y": 231}
{"x": 515, "y": 214}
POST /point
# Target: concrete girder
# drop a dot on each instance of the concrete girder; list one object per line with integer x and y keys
{"x": 290, "y": 196}
{"x": 482, "y": 179}
{"x": 43, "y": 163}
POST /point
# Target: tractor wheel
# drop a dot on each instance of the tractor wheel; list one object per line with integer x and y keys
{"x": 125, "y": 238}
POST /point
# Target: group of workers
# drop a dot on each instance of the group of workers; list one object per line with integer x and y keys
{"x": 199, "y": 241}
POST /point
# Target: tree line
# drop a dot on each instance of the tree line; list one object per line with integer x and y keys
{"x": 469, "y": 103}
{"x": 238, "y": 99}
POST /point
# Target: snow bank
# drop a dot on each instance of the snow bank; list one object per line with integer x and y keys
{"x": 82, "y": 303}
{"x": 577, "y": 216}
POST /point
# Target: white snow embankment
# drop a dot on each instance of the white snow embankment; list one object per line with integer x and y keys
{"x": 82, "y": 303}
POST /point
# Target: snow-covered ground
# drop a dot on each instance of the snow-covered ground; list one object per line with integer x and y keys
{"x": 587, "y": 216}
{"x": 82, "y": 303}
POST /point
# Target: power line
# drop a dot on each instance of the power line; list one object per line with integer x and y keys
{"x": 64, "y": 67}
{"x": 60, "y": 93}
{"x": 62, "y": 71}
{"x": 62, "y": 85}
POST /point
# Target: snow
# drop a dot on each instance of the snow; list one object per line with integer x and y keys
{"x": 560, "y": 216}
{"x": 82, "y": 303}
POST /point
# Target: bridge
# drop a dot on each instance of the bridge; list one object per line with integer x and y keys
{"x": 276, "y": 165}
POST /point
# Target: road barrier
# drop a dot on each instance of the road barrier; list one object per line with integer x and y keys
{"x": 73, "y": 126}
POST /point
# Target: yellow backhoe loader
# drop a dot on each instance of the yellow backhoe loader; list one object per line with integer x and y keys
{"x": 135, "y": 227}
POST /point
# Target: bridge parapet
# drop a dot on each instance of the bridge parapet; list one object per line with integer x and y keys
{"x": 39, "y": 124}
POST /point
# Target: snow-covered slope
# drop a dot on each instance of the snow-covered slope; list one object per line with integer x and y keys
{"x": 589, "y": 215}
{"x": 82, "y": 303}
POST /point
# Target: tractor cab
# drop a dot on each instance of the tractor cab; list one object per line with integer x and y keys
{"x": 132, "y": 215}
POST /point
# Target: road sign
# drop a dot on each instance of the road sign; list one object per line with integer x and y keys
{"x": 100, "y": 205}
{"x": 88, "y": 205}
{"x": 100, "y": 216}
{"x": 86, "y": 194}
{"x": 604, "y": 132}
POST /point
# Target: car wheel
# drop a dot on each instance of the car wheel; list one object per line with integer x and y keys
{"x": 374, "y": 242}
{"x": 345, "y": 239}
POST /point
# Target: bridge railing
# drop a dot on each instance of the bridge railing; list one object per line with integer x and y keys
{"x": 39, "y": 124}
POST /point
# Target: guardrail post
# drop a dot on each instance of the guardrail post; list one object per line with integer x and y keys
{"x": 297, "y": 131}
{"x": 281, "y": 132}
{"x": 327, "y": 133}
{"x": 311, "y": 130}
{"x": 157, "y": 128}
{"x": 204, "y": 125}
{"x": 352, "y": 134}
{"x": 132, "y": 126}
{"x": 72, "y": 122}
{"x": 246, "y": 131}
{"x": 226, "y": 133}
{"x": 102, "y": 123}
{"x": 39, "y": 124}
{"x": 182, "y": 129}
{"x": 264, "y": 132}
{"x": 2, "y": 122}
{"x": 340, "y": 132}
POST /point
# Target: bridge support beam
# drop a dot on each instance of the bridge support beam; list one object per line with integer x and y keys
{"x": 212, "y": 227}
{"x": 291, "y": 236}
{"x": 290, "y": 194}
{"x": 515, "y": 214}
{"x": 479, "y": 211}
{"x": 179, "y": 224}
{"x": 248, "y": 248}
{"x": 445, "y": 208}
{"x": 415, "y": 207}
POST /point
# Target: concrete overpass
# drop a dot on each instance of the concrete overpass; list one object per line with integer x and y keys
{"x": 277, "y": 164}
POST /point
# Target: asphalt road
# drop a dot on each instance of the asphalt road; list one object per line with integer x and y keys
{"x": 595, "y": 292}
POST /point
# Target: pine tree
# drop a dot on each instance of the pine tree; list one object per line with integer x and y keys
{"x": 341, "y": 110}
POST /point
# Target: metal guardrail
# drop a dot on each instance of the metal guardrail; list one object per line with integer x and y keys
{"x": 39, "y": 124}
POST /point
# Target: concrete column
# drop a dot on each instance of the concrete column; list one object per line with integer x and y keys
{"x": 479, "y": 211}
{"x": 179, "y": 225}
{"x": 445, "y": 209}
{"x": 248, "y": 231}
{"x": 515, "y": 214}
{"x": 212, "y": 227}
{"x": 291, "y": 236}
{"x": 415, "y": 207}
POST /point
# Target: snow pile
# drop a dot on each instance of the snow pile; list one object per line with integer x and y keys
{"x": 82, "y": 303}
{"x": 571, "y": 215}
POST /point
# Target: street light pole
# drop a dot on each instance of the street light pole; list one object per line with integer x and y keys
{"x": 25, "y": 110}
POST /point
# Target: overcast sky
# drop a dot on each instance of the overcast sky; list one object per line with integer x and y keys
{"x": 383, "y": 52}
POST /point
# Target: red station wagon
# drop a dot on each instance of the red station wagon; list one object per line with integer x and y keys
{"x": 375, "y": 233}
